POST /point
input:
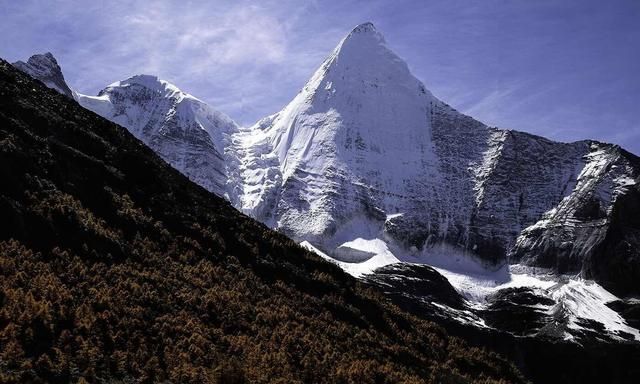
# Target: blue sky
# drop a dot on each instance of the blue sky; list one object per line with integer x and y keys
{"x": 568, "y": 70}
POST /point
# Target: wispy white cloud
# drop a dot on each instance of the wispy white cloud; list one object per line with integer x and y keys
{"x": 235, "y": 35}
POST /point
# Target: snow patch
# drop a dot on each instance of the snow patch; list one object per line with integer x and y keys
{"x": 579, "y": 298}
{"x": 576, "y": 298}
{"x": 381, "y": 256}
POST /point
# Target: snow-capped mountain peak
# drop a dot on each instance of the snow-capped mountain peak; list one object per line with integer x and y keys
{"x": 361, "y": 38}
{"x": 151, "y": 83}
{"x": 364, "y": 53}
{"x": 365, "y": 28}
{"x": 45, "y": 68}
{"x": 359, "y": 129}
{"x": 361, "y": 60}
{"x": 185, "y": 131}
{"x": 367, "y": 166}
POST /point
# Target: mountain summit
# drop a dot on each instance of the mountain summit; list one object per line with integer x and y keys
{"x": 353, "y": 145}
{"x": 45, "y": 68}
{"x": 183, "y": 130}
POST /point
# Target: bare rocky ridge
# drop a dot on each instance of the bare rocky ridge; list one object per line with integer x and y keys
{"x": 516, "y": 322}
{"x": 45, "y": 68}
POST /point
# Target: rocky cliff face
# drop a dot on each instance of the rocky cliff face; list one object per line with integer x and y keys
{"x": 45, "y": 68}
{"x": 596, "y": 227}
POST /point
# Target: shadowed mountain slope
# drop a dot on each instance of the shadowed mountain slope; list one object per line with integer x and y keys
{"x": 114, "y": 267}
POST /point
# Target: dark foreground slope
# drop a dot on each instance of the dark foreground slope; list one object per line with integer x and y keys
{"x": 114, "y": 267}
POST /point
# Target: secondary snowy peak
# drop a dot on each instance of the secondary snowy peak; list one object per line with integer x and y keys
{"x": 186, "y": 132}
{"x": 183, "y": 130}
{"x": 44, "y": 67}
{"x": 366, "y": 27}
{"x": 151, "y": 83}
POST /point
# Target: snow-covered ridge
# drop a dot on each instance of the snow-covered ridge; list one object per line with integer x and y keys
{"x": 152, "y": 83}
{"x": 183, "y": 130}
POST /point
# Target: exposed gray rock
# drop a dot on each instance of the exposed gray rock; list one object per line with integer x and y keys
{"x": 45, "y": 68}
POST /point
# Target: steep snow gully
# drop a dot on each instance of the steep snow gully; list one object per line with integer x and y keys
{"x": 368, "y": 169}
